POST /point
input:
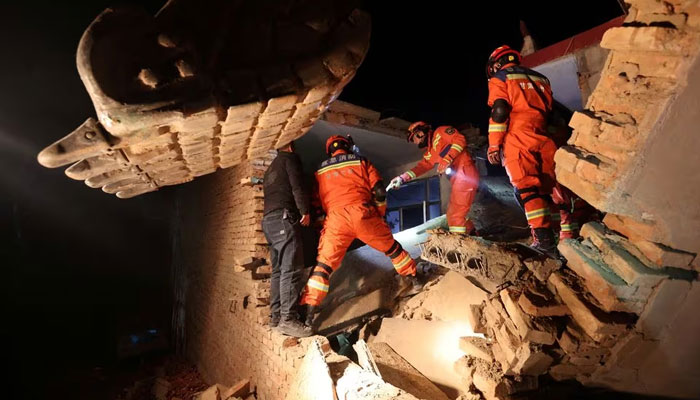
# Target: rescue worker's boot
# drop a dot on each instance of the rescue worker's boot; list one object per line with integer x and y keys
{"x": 409, "y": 285}
{"x": 310, "y": 314}
{"x": 544, "y": 242}
{"x": 294, "y": 327}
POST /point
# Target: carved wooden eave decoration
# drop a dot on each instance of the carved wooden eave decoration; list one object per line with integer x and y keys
{"x": 203, "y": 86}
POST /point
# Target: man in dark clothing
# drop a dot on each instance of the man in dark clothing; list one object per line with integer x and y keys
{"x": 286, "y": 210}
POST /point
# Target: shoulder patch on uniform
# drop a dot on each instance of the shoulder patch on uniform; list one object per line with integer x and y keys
{"x": 450, "y": 130}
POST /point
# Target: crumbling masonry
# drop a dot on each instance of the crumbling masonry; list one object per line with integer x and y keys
{"x": 621, "y": 314}
{"x": 202, "y": 87}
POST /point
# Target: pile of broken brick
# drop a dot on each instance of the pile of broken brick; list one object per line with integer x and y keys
{"x": 576, "y": 320}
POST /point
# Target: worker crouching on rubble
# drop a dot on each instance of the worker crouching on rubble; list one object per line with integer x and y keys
{"x": 353, "y": 197}
{"x": 446, "y": 147}
{"x": 286, "y": 210}
{"x": 521, "y": 103}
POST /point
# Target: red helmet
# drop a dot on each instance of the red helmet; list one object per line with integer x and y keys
{"x": 502, "y": 56}
{"x": 337, "y": 142}
{"x": 416, "y": 127}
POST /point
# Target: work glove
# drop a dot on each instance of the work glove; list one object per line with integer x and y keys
{"x": 494, "y": 155}
{"x": 395, "y": 183}
{"x": 442, "y": 166}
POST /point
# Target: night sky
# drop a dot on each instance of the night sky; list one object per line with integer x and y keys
{"x": 427, "y": 59}
{"x": 80, "y": 267}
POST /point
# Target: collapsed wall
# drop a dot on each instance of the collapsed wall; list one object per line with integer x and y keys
{"x": 633, "y": 154}
{"x": 204, "y": 86}
{"x": 621, "y": 313}
{"x": 593, "y": 320}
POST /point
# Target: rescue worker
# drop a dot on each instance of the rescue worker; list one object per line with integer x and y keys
{"x": 521, "y": 101}
{"x": 353, "y": 197}
{"x": 445, "y": 147}
{"x": 572, "y": 210}
{"x": 286, "y": 209}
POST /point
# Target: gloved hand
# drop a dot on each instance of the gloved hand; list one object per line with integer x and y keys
{"x": 442, "y": 166}
{"x": 494, "y": 155}
{"x": 395, "y": 183}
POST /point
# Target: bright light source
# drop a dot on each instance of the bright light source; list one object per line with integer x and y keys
{"x": 448, "y": 171}
{"x": 448, "y": 345}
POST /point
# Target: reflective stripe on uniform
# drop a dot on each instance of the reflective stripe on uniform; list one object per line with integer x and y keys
{"x": 408, "y": 268}
{"x": 540, "y": 212}
{"x": 457, "y": 147}
{"x": 314, "y": 284}
{"x": 436, "y": 140}
{"x": 338, "y": 166}
{"x": 527, "y": 77}
{"x": 458, "y": 229}
{"x": 569, "y": 227}
{"x": 404, "y": 259}
{"x": 497, "y": 127}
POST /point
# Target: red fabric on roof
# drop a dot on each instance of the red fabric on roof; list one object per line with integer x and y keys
{"x": 581, "y": 41}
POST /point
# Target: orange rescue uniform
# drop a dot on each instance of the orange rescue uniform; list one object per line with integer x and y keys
{"x": 446, "y": 147}
{"x": 528, "y": 154}
{"x": 346, "y": 187}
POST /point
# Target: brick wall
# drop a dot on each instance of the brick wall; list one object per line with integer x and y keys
{"x": 226, "y": 304}
{"x": 632, "y": 155}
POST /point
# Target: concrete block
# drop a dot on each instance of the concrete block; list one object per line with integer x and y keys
{"x": 566, "y": 159}
{"x": 631, "y": 351}
{"x": 542, "y": 268}
{"x": 663, "y": 305}
{"x": 494, "y": 386}
{"x": 527, "y": 330}
{"x": 538, "y": 306}
{"x": 465, "y": 369}
{"x": 476, "y": 347}
{"x": 595, "y": 170}
{"x": 663, "y": 256}
{"x": 475, "y": 318}
{"x": 588, "y": 191}
{"x": 395, "y": 370}
{"x": 531, "y": 361}
{"x": 431, "y": 347}
{"x": 568, "y": 343}
{"x": 595, "y": 323}
{"x": 620, "y": 261}
{"x": 652, "y": 64}
{"x": 649, "y": 38}
{"x": 634, "y": 229}
{"x": 211, "y": 393}
{"x": 611, "y": 291}
{"x": 450, "y": 299}
{"x": 500, "y": 357}
{"x": 585, "y": 123}
{"x": 508, "y": 345}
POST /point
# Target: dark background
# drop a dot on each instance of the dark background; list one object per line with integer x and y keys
{"x": 81, "y": 268}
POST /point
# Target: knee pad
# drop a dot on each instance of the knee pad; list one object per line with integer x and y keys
{"x": 527, "y": 194}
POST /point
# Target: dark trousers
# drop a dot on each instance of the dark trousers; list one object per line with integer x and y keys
{"x": 287, "y": 258}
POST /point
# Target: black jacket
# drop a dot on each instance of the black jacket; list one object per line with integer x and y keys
{"x": 283, "y": 185}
